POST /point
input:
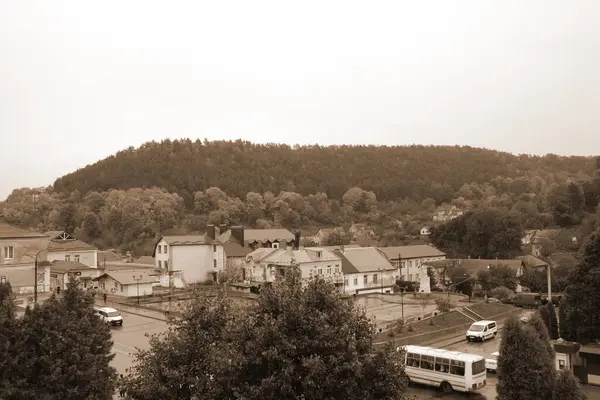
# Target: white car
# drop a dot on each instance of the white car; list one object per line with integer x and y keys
{"x": 491, "y": 362}
{"x": 109, "y": 316}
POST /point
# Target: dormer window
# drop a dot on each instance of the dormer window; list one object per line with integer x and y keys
{"x": 319, "y": 254}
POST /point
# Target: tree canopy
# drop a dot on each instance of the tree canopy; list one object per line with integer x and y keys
{"x": 296, "y": 342}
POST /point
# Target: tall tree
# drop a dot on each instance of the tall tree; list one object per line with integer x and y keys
{"x": 548, "y": 316}
{"x": 65, "y": 351}
{"x": 306, "y": 342}
{"x": 525, "y": 369}
{"x": 567, "y": 387}
{"x": 582, "y": 312}
{"x": 9, "y": 334}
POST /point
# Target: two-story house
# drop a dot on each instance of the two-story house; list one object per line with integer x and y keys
{"x": 264, "y": 265}
{"x": 19, "y": 251}
{"x": 188, "y": 259}
{"x": 238, "y": 242}
{"x": 64, "y": 247}
{"x": 409, "y": 259}
{"x": 61, "y": 271}
{"x": 366, "y": 270}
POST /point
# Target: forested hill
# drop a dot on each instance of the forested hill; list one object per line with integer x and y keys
{"x": 185, "y": 166}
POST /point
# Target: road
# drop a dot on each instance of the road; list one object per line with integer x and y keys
{"x": 132, "y": 335}
{"x": 489, "y": 392}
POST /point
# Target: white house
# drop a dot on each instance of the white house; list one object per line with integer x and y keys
{"x": 64, "y": 247}
{"x": 19, "y": 250}
{"x": 265, "y": 265}
{"x": 188, "y": 259}
{"x": 366, "y": 270}
{"x": 410, "y": 258}
{"x": 61, "y": 271}
{"x": 131, "y": 283}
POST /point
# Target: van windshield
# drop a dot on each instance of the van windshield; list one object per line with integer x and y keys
{"x": 476, "y": 328}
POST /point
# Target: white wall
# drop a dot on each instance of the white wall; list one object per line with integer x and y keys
{"x": 411, "y": 268}
{"x": 160, "y": 258}
{"x": 262, "y": 272}
{"x": 196, "y": 262}
{"x": 86, "y": 257}
{"x": 129, "y": 290}
{"x": 24, "y": 250}
{"x": 355, "y": 282}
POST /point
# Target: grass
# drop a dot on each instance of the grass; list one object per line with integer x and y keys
{"x": 489, "y": 310}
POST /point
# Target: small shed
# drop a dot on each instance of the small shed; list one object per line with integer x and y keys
{"x": 130, "y": 283}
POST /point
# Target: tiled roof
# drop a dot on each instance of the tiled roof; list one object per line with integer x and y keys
{"x": 547, "y": 233}
{"x": 339, "y": 247}
{"x": 347, "y": 266}
{"x": 60, "y": 266}
{"x": 69, "y": 244}
{"x": 368, "y": 259}
{"x": 108, "y": 256}
{"x": 8, "y": 231}
{"x": 284, "y": 257}
{"x": 532, "y": 261}
{"x": 127, "y": 277}
{"x": 234, "y": 249}
{"x": 408, "y": 252}
{"x": 144, "y": 260}
{"x": 19, "y": 276}
{"x": 263, "y": 235}
{"x": 186, "y": 240}
{"x": 473, "y": 265}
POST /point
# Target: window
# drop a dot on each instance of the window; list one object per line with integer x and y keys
{"x": 166, "y": 264}
{"x": 215, "y": 263}
{"x": 165, "y": 249}
{"x": 337, "y": 268}
{"x": 320, "y": 271}
{"x": 442, "y": 365}
{"x": 275, "y": 245}
{"x": 159, "y": 264}
{"x": 355, "y": 281}
{"x": 412, "y": 360}
{"x": 427, "y": 362}
{"x": 417, "y": 277}
{"x": 492, "y": 325}
{"x": 76, "y": 257}
{"x": 374, "y": 278}
{"x": 458, "y": 367}
{"x": 365, "y": 279}
{"x": 9, "y": 252}
{"x": 67, "y": 258}
{"x": 214, "y": 248}
{"x": 318, "y": 254}
{"x": 478, "y": 367}
{"x": 121, "y": 288}
{"x": 346, "y": 282}
{"x": 561, "y": 364}
{"x": 159, "y": 249}
{"x": 272, "y": 272}
{"x": 410, "y": 276}
{"x": 329, "y": 270}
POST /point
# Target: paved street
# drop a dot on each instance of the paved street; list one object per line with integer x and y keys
{"x": 489, "y": 392}
{"x": 131, "y": 336}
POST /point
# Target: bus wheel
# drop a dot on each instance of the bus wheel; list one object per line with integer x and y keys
{"x": 446, "y": 387}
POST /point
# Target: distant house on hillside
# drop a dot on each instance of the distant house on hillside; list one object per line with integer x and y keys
{"x": 322, "y": 235}
{"x": 446, "y": 213}
{"x": 425, "y": 231}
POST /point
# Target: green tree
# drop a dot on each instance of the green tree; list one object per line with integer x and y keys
{"x": 582, "y": 311}
{"x": 497, "y": 276}
{"x": 567, "y": 387}
{"x": 306, "y": 342}
{"x": 525, "y": 369}
{"x": 65, "y": 351}
{"x": 90, "y": 227}
{"x": 9, "y": 331}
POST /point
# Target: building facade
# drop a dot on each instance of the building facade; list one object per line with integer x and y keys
{"x": 131, "y": 283}
{"x": 409, "y": 259}
{"x": 64, "y": 247}
{"x": 366, "y": 270}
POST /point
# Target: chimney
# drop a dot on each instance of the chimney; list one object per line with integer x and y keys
{"x": 297, "y": 240}
{"x": 222, "y": 229}
{"x": 210, "y": 231}
{"x": 238, "y": 234}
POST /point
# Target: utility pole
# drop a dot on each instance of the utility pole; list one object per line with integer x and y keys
{"x": 35, "y": 272}
{"x": 137, "y": 281}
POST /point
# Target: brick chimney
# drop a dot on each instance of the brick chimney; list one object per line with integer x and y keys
{"x": 238, "y": 234}
{"x": 210, "y": 231}
{"x": 222, "y": 229}
{"x": 297, "y": 240}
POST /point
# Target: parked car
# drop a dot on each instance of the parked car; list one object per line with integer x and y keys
{"x": 482, "y": 330}
{"x": 491, "y": 362}
{"x": 110, "y": 316}
{"x": 527, "y": 300}
{"x": 493, "y": 300}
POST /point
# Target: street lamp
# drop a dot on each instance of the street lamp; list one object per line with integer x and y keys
{"x": 137, "y": 281}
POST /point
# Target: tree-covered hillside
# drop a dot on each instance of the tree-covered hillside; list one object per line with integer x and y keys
{"x": 240, "y": 167}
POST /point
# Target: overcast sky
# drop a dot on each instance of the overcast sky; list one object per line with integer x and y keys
{"x": 80, "y": 80}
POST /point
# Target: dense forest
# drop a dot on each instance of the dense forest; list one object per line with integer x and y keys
{"x": 127, "y": 200}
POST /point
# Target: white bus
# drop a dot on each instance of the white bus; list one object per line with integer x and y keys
{"x": 448, "y": 370}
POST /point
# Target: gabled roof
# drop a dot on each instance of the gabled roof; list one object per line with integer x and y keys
{"x": 368, "y": 259}
{"x": 264, "y": 235}
{"x": 53, "y": 234}
{"x": 144, "y": 260}
{"x": 414, "y": 251}
{"x": 284, "y": 256}
{"x": 127, "y": 277}
{"x": 546, "y": 234}
{"x": 8, "y": 231}
{"x": 234, "y": 249}
{"x": 108, "y": 256}
{"x": 473, "y": 265}
{"x": 61, "y": 266}
{"x": 68, "y": 245}
{"x": 557, "y": 258}
{"x": 347, "y": 266}
{"x": 532, "y": 261}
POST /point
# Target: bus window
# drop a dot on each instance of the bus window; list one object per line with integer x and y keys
{"x": 442, "y": 364}
{"x": 412, "y": 360}
{"x": 478, "y": 367}
{"x": 457, "y": 367}
{"x": 427, "y": 362}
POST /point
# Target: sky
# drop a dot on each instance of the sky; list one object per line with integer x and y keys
{"x": 81, "y": 80}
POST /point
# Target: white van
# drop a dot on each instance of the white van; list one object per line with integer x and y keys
{"x": 482, "y": 330}
{"x": 109, "y": 316}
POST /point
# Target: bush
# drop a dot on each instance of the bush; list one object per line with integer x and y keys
{"x": 502, "y": 293}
